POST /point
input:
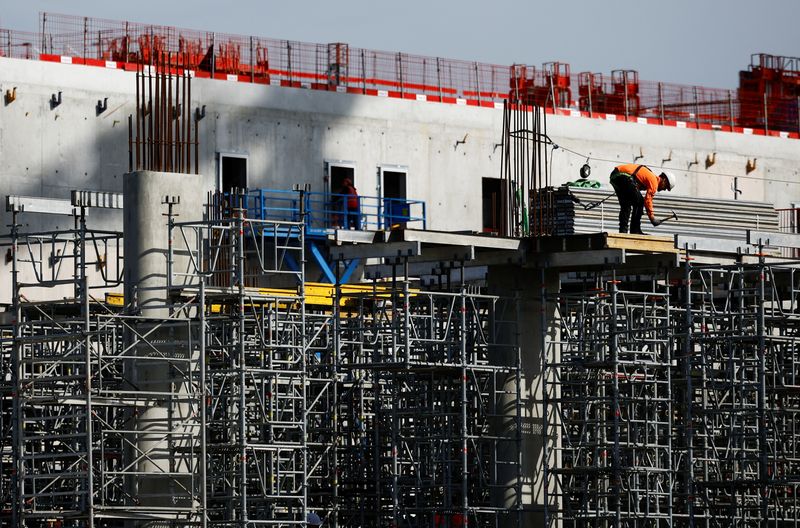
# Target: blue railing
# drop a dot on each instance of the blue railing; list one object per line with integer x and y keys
{"x": 327, "y": 211}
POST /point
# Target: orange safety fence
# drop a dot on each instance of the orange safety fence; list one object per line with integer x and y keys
{"x": 338, "y": 66}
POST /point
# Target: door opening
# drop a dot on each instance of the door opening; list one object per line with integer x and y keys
{"x": 341, "y": 211}
{"x": 232, "y": 172}
{"x": 491, "y": 204}
{"x": 394, "y": 205}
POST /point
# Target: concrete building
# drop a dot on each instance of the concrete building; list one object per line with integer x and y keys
{"x": 174, "y": 364}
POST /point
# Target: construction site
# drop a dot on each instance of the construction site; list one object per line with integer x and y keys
{"x": 198, "y": 328}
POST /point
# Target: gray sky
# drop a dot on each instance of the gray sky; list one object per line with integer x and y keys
{"x": 703, "y": 42}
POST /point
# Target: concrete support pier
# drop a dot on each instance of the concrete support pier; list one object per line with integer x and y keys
{"x": 163, "y": 455}
{"x": 537, "y": 326}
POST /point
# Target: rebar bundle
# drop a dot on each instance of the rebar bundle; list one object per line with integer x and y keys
{"x": 526, "y": 209}
{"x": 163, "y": 135}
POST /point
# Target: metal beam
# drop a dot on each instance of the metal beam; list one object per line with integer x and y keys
{"x": 35, "y": 204}
{"x": 578, "y": 259}
{"x": 787, "y": 240}
{"x": 357, "y": 237}
{"x": 322, "y": 263}
{"x": 393, "y": 249}
{"x": 653, "y": 261}
{"x": 454, "y": 239}
{"x": 444, "y": 254}
{"x": 712, "y": 245}
{"x": 97, "y": 199}
{"x": 416, "y": 269}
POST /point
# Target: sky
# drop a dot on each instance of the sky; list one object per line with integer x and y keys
{"x": 694, "y": 42}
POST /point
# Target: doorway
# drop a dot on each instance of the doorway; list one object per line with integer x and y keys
{"x": 394, "y": 204}
{"x": 492, "y": 195}
{"x": 232, "y": 172}
{"x": 336, "y": 210}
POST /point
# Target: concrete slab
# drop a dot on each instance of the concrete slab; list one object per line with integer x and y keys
{"x": 452, "y": 239}
{"x": 392, "y": 249}
{"x": 787, "y": 240}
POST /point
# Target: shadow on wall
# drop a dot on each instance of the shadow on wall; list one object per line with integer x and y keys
{"x": 285, "y": 133}
{"x": 48, "y": 151}
{"x": 51, "y": 149}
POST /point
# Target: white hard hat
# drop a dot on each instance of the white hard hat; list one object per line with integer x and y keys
{"x": 313, "y": 519}
{"x": 670, "y": 180}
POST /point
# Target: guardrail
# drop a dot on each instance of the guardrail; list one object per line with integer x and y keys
{"x": 340, "y": 67}
{"x": 325, "y": 212}
{"x": 789, "y": 222}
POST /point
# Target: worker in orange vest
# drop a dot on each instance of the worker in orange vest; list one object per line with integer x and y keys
{"x": 628, "y": 181}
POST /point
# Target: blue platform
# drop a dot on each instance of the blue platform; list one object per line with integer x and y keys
{"x": 327, "y": 212}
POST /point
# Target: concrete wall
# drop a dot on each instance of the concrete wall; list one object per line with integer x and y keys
{"x": 287, "y": 133}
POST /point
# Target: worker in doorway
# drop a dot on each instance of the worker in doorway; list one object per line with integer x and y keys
{"x": 628, "y": 182}
{"x": 350, "y": 204}
{"x": 313, "y": 520}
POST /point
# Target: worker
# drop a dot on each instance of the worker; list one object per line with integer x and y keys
{"x": 312, "y": 519}
{"x": 628, "y": 181}
{"x": 350, "y": 204}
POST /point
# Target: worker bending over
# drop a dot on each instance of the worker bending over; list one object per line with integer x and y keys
{"x": 628, "y": 182}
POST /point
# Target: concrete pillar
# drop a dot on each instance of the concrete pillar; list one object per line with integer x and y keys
{"x": 146, "y": 236}
{"x": 537, "y": 327}
{"x": 159, "y": 368}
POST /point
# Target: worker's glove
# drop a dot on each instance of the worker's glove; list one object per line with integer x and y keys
{"x": 655, "y": 222}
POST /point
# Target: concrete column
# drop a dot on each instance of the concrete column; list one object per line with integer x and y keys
{"x": 537, "y": 327}
{"x": 159, "y": 367}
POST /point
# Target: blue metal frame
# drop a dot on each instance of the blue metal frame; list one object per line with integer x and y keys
{"x": 328, "y": 273}
{"x": 326, "y": 212}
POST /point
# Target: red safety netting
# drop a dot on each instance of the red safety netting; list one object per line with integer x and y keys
{"x": 19, "y": 44}
{"x": 338, "y": 66}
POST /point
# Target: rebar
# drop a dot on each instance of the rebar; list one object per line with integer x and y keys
{"x": 528, "y": 209}
{"x": 162, "y": 140}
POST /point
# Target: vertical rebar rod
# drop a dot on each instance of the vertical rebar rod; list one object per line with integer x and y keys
{"x": 168, "y": 114}
{"x": 138, "y": 112}
{"x": 150, "y": 107}
{"x": 130, "y": 142}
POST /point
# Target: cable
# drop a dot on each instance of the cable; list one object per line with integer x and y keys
{"x": 576, "y": 153}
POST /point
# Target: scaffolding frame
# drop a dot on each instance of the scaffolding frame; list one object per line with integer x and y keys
{"x": 254, "y": 348}
{"x": 671, "y": 398}
{"x": 608, "y": 405}
{"x": 739, "y": 365}
{"x": 232, "y": 403}
{"x": 78, "y": 451}
{"x": 426, "y": 378}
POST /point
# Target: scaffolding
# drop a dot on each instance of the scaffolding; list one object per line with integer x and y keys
{"x": 738, "y": 363}
{"x": 236, "y": 403}
{"x": 433, "y": 378}
{"x": 609, "y": 404}
{"x": 672, "y": 400}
